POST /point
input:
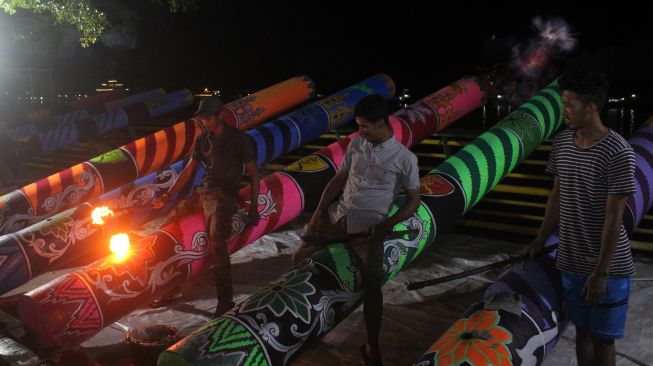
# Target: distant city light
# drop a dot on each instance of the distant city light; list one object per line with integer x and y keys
{"x": 207, "y": 92}
{"x": 633, "y": 96}
{"x": 110, "y": 85}
{"x": 499, "y": 96}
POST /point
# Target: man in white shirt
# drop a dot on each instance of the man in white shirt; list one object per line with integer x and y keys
{"x": 375, "y": 168}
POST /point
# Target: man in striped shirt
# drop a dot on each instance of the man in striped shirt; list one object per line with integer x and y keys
{"x": 375, "y": 168}
{"x": 593, "y": 168}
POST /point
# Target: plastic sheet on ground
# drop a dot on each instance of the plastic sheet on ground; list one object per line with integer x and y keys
{"x": 412, "y": 320}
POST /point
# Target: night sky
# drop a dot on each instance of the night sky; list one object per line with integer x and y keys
{"x": 238, "y": 46}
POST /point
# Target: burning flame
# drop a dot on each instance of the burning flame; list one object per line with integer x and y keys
{"x": 100, "y": 212}
{"x": 119, "y": 245}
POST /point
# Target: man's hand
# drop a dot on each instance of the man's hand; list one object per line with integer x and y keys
{"x": 311, "y": 227}
{"x": 379, "y": 231}
{"x": 253, "y": 216}
{"x": 594, "y": 288}
{"x": 532, "y": 249}
{"x": 160, "y": 201}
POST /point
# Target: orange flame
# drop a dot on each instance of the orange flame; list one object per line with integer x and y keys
{"x": 119, "y": 245}
{"x": 100, "y": 212}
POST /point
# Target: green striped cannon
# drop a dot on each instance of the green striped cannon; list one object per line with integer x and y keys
{"x": 274, "y": 325}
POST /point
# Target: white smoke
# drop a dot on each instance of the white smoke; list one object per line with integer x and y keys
{"x": 118, "y": 36}
{"x": 554, "y": 37}
{"x": 555, "y": 33}
{"x": 531, "y": 62}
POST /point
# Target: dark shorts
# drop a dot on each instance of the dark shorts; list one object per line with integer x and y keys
{"x": 607, "y": 318}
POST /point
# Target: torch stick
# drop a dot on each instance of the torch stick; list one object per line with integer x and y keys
{"x": 511, "y": 260}
{"x": 388, "y": 235}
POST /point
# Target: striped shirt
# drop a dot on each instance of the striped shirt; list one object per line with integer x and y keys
{"x": 587, "y": 176}
{"x": 376, "y": 175}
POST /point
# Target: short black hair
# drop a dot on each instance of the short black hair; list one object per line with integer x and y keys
{"x": 591, "y": 87}
{"x": 373, "y": 108}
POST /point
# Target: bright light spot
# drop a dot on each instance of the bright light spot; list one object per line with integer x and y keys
{"x": 633, "y": 96}
{"x": 499, "y": 96}
{"x": 119, "y": 245}
{"x": 100, "y": 212}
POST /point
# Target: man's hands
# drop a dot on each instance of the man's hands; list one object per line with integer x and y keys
{"x": 594, "y": 288}
{"x": 379, "y": 231}
{"x": 253, "y": 216}
{"x": 532, "y": 249}
{"x": 310, "y": 229}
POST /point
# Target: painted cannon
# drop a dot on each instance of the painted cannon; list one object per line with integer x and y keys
{"x": 88, "y": 180}
{"x": 69, "y": 131}
{"x": 437, "y": 111}
{"x": 521, "y": 317}
{"x": 275, "y": 324}
{"x": 28, "y": 129}
{"x": 70, "y": 234}
{"x": 93, "y": 103}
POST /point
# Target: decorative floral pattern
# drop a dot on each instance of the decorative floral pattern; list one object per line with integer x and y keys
{"x": 335, "y": 105}
{"x": 477, "y": 339}
{"x": 142, "y": 272}
{"x": 289, "y": 293}
{"x": 524, "y": 127}
{"x": 238, "y": 220}
{"x": 415, "y": 114}
{"x": 71, "y": 195}
{"x": 311, "y": 163}
{"x": 243, "y": 110}
{"x": 51, "y": 239}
